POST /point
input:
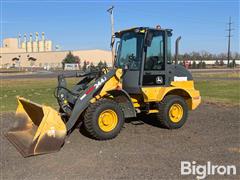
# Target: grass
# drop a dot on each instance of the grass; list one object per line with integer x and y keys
{"x": 225, "y": 91}
{"x": 37, "y": 90}
{"x": 41, "y": 91}
{"x": 12, "y": 71}
{"x": 234, "y": 74}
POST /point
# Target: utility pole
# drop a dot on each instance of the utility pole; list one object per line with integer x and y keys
{"x": 110, "y": 10}
{"x": 229, "y": 40}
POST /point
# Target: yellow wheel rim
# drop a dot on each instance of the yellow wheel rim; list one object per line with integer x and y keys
{"x": 176, "y": 113}
{"x": 107, "y": 120}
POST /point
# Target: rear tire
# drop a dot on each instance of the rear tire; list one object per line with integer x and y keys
{"x": 103, "y": 119}
{"x": 173, "y": 112}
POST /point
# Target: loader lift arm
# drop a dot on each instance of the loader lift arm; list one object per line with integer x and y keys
{"x": 66, "y": 98}
{"x": 73, "y": 104}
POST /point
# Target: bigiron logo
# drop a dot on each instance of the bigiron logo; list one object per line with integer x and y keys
{"x": 202, "y": 171}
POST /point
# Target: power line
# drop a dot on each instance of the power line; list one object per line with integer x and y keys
{"x": 229, "y": 39}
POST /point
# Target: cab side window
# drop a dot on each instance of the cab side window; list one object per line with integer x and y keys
{"x": 128, "y": 50}
{"x": 155, "y": 53}
{"x": 130, "y": 53}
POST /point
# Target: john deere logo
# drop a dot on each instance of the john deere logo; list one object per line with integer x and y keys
{"x": 159, "y": 80}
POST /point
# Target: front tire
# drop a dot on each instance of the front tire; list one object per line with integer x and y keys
{"x": 173, "y": 112}
{"x": 103, "y": 119}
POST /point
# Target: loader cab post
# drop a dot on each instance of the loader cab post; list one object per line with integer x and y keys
{"x": 148, "y": 39}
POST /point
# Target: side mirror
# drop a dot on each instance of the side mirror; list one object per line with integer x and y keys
{"x": 112, "y": 41}
{"x": 117, "y": 47}
{"x": 148, "y": 39}
{"x": 116, "y": 52}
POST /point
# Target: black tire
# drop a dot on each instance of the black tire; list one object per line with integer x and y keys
{"x": 92, "y": 114}
{"x": 164, "y": 107}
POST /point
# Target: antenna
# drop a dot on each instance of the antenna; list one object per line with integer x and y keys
{"x": 110, "y": 10}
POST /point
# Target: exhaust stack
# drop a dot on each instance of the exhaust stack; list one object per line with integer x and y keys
{"x": 176, "y": 49}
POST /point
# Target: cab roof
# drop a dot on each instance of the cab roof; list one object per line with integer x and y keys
{"x": 140, "y": 29}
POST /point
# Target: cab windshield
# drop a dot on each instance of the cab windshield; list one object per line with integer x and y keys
{"x": 130, "y": 51}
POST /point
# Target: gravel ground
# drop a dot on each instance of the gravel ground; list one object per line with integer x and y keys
{"x": 141, "y": 151}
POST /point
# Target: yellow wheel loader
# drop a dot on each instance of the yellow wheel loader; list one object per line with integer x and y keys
{"x": 144, "y": 80}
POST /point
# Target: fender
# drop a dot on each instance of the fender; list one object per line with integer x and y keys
{"x": 124, "y": 100}
{"x": 191, "y": 95}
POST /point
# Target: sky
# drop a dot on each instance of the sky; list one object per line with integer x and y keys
{"x": 86, "y": 24}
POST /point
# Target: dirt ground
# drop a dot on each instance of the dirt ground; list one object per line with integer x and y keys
{"x": 141, "y": 151}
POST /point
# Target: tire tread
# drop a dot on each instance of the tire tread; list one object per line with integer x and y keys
{"x": 89, "y": 116}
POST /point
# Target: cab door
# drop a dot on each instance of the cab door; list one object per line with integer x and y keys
{"x": 155, "y": 61}
{"x": 131, "y": 56}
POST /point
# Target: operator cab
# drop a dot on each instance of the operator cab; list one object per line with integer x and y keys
{"x": 144, "y": 54}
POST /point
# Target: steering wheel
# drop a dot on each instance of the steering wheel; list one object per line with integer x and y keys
{"x": 132, "y": 57}
{"x": 156, "y": 63}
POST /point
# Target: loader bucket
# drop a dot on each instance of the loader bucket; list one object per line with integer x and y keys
{"x": 38, "y": 129}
